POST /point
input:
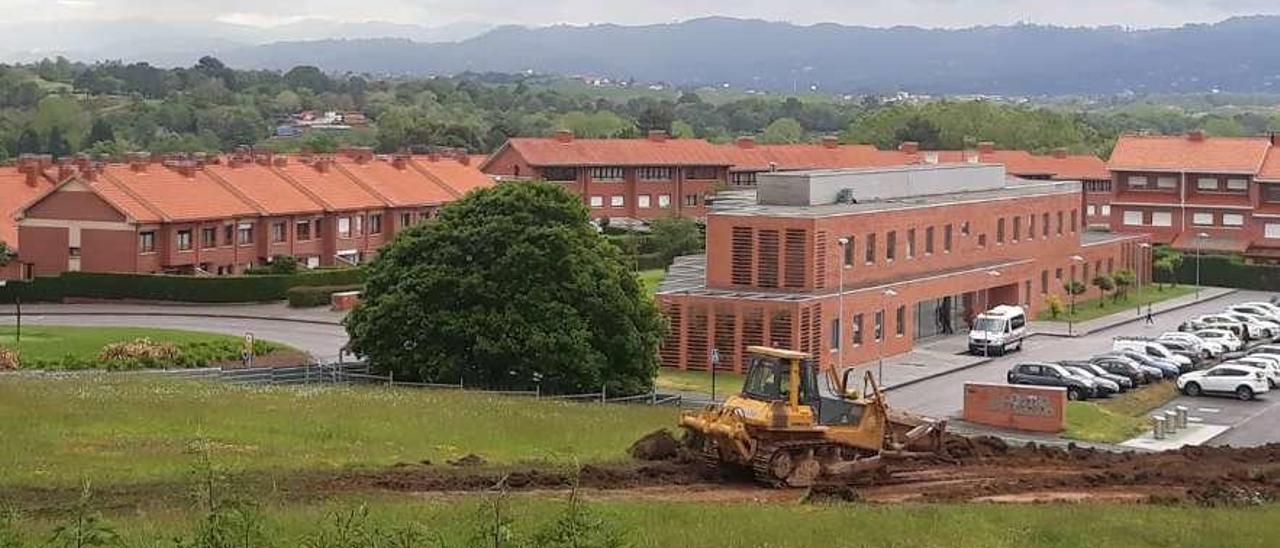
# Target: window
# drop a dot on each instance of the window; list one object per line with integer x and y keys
{"x": 1026, "y": 290}
{"x": 999, "y": 231}
{"x": 1044, "y": 282}
{"x": 302, "y": 230}
{"x": 691, "y": 200}
{"x": 911, "y": 243}
{"x": 702, "y": 173}
{"x": 964, "y": 227}
{"x": 1166, "y": 182}
{"x": 1137, "y": 181}
{"x": 597, "y": 201}
{"x": 560, "y": 174}
{"x": 279, "y": 232}
{"x": 1105, "y": 210}
{"x": 1090, "y": 210}
{"x": 208, "y": 237}
{"x": 643, "y": 201}
{"x": 344, "y": 227}
{"x": 664, "y": 201}
{"x": 147, "y": 242}
{"x": 1207, "y": 183}
{"x": 891, "y": 245}
{"x": 1074, "y": 220}
{"x": 1057, "y": 274}
{"x": 1111, "y": 265}
{"x": 1161, "y": 218}
{"x": 1202, "y": 219}
{"x": 982, "y": 241}
{"x": 1017, "y": 228}
{"x": 1044, "y": 225}
{"x": 228, "y": 234}
{"x": 1272, "y": 231}
{"x": 743, "y": 178}
{"x": 1133, "y": 218}
{"x": 318, "y": 223}
{"x": 835, "y": 334}
{"x": 857, "y": 329}
{"x": 1059, "y": 223}
{"x": 664, "y": 174}
{"x": 184, "y": 240}
{"x": 406, "y": 219}
{"x": 871, "y": 249}
{"x": 900, "y": 321}
{"x": 878, "y": 328}
{"x": 245, "y": 233}
{"x": 1031, "y": 227}
{"x": 848, "y": 252}
{"x": 375, "y": 223}
{"x": 357, "y": 225}
{"x": 1086, "y": 273}
{"x": 928, "y": 241}
{"x": 1232, "y": 219}
{"x": 617, "y": 201}
{"x": 607, "y": 174}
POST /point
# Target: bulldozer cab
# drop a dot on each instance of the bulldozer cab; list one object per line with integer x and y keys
{"x": 791, "y": 378}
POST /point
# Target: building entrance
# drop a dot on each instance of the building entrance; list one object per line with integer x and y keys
{"x": 941, "y": 317}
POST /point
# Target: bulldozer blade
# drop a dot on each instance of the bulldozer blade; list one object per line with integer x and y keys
{"x": 850, "y": 468}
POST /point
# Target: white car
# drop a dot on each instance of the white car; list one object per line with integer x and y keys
{"x": 1242, "y": 382}
{"x": 1226, "y": 338}
{"x": 1240, "y": 330}
{"x": 1208, "y": 349}
{"x": 1265, "y": 310}
{"x": 1269, "y": 367}
{"x": 1252, "y": 328}
{"x": 1264, "y": 328}
{"x": 1150, "y": 347}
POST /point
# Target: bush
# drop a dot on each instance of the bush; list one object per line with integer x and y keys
{"x": 305, "y": 297}
{"x": 149, "y": 287}
{"x": 1223, "y": 271}
{"x": 139, "y": 354}
{"x": 9, "y": 359}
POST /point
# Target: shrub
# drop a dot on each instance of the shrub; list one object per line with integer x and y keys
{"x": 304, "y": 297}
{"x": 1054, "y": 302}
{"x": 221, "y": 289}
{"x": 9, "y": 359}
{"x": 140, "y": 353}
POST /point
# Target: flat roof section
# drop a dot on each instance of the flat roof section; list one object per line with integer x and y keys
{"x": 734, "y": 205}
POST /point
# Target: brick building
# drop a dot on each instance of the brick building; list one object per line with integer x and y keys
{"x": 1177, "y": 188}
{"x": 222, "y": 215}
{"x": 19, "y": 185}
{"x": 927, "y": 248}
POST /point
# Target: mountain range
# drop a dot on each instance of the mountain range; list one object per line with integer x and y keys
{"x": 1232, "y": 55}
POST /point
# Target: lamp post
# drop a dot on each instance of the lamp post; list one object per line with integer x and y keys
{"x": 1142, "y": 262}
{"x": 1200, "y": 238}
{"x": 884, "y": 332}
{"x": 844, "y": 265}
{"x": 1071, "y": 321}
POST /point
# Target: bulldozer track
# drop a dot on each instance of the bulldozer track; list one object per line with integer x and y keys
{"x": 762, "y": 461}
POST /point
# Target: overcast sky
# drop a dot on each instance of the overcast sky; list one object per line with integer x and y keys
{"x": 929, "y": 13}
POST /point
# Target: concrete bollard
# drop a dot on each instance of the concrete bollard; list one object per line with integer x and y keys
{"x": 1157, "y": 427}
{"x": 1182, "y": 416}
{"x": 1171, "y": 421}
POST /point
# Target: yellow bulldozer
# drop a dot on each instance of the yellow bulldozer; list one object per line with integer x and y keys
{"x": 788, "y": 433}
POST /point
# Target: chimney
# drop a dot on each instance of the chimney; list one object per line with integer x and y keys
{"x": 433, "y": 157}
{"x": 972, "y": 157}
{"x": 322, "y": 164}
{"x": 138, "y": 161}
{"x": 1060, "y": 153}
{"x": 657, "y": 136}
{"x": 1195, "y": 135}
{"x": 401, "y": 161}
{"x": 746, "y": 141}
{"x": 831, "y": 142}
{"x": 464, "y": 159}
{"x": 564, "y": 136}
{"x": 29, "y": 165}
{"x": 986, "y": 147}
{"x": 362, "y": 155}
{"x": 909, "y": 147}
{"x": 1272, "y": 135}
{"x": 65, "y": 169}
{"x": 46, "y": 161}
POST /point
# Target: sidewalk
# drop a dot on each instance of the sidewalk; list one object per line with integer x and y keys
{"x": 926, "y": 361}
{"x": 257, "y": 311}
{"x": 1080, "y": 329}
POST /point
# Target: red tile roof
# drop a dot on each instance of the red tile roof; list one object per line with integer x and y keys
{"x": 178, "y": 197}
{"x": 618, "y": 152}
{"x": 337, "y": 190}
{"x": 459, "y": 178}
{"x": 399, "y": 186}
{"x": 1270, "y": 167}
{"x": 262, "y": 188}
{"x": 1190, "y": 241}
{"x": 15, "y": 193}
{"x": 797, "y": 157}
{"x": 1182, "y": 153}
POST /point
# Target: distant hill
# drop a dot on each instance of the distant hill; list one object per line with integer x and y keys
{"x": 1022, "y": 59}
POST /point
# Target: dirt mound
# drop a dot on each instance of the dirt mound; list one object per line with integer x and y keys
{"x": 831, "y": 494}
{"x": 655, "y": 446}
{"x": 469, "y": 460}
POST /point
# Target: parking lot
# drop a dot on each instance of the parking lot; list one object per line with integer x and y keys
{"x": 1253, "y": 422}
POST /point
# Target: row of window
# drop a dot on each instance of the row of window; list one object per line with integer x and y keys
{"x": 1170, "y": 182}
{"x": 1101, "y": 210}
{"x": 243, "y": 233}
{"x": 856, "y": 327}
{"x": 615, "y": 174}
{"x": 644, "y": 201}
{"x": 1135, "y": 217}
{"x": 930, "y": 233}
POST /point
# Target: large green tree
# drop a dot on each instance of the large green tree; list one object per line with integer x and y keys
{"x": 509, "y": 287}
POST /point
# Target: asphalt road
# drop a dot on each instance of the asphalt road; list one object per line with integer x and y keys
{"x": 320, "y": 340}
{"x": 1255, "y": 422}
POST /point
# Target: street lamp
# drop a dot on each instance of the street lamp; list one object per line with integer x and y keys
{"x": 1075, "y": 259}
{"x": 1200, "y": 238}
{"x": 884, "y": 332}
{"x": 844, "y": 250}
{"x": 1142, "y": 261}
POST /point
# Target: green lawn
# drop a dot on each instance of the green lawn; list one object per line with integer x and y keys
{"x": 1119, "y": 418}
{"x": 651, "y": 279}
{"x": 78, "y": 347}
{"x": 455, "y": 521}
{"x": 123, "y": 428}
{"x": 698, "y": 381}
{"x": 1097, "y": 308}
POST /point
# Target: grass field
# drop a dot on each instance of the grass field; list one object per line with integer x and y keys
{"x": 127, "y": 428}
{"x": 651, "y": 279}
{"x": 698, "y": 381}
{"x": 1119, "y": 418}
{"x": 1097, "y": 308}
{"x": 43, "y": 345}
{"x": 455, "y": 521}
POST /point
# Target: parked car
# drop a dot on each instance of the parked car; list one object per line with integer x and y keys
{"x": 1103, "y": 387}
{"x": 1219, "y": 322}
{"x": 1225, "y": 337}
{"x": 999, "y": 329}
{"x": 1124, "y": 382}
{"x": 1120, "y": 365}
{"x": 1163, "y": 368}
{"x": 1208, "y": 349}
{"x": 1269, "y": 367}
{"x": 1256, "y": 309}
{"x": 1052, "y": 374}
{"x": 1259, "y": 329}
{"x": 1197, "y": 355}
{"x": 1264, "y": 349}
{"x": 1243, "y": 382}
{"x": 1149, "y": 346}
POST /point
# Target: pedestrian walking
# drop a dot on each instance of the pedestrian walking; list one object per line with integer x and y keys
{"x": 1150, "y": 320}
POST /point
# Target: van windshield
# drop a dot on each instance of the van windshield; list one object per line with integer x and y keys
{"x": 989, "y": 325}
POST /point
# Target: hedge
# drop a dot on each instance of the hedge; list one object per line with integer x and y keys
{"x": 1224, "y": 271}
{"x": 306, "y": 296}
{"x": 149, "y": 287}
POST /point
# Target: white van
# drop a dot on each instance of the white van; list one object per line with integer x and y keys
{"x": 998, "y": 330}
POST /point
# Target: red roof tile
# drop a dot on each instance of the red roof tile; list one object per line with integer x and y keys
{"x": 1271, "y": 166}
{"x": 336, "y": 189}
{"x": 618, "y": 152}
{"x": 125, "y": 202}
{"x": 264, "y": 188}
{"x": 401, "y": 186}
{"x": 1190, "y": 241}
{"x": 179, "y": 197}
{"x": 798, "y": 157}
{"x": 453, "y": 174}
{"x": 1181, "y": 153}
{"x": 14, "y": 195}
